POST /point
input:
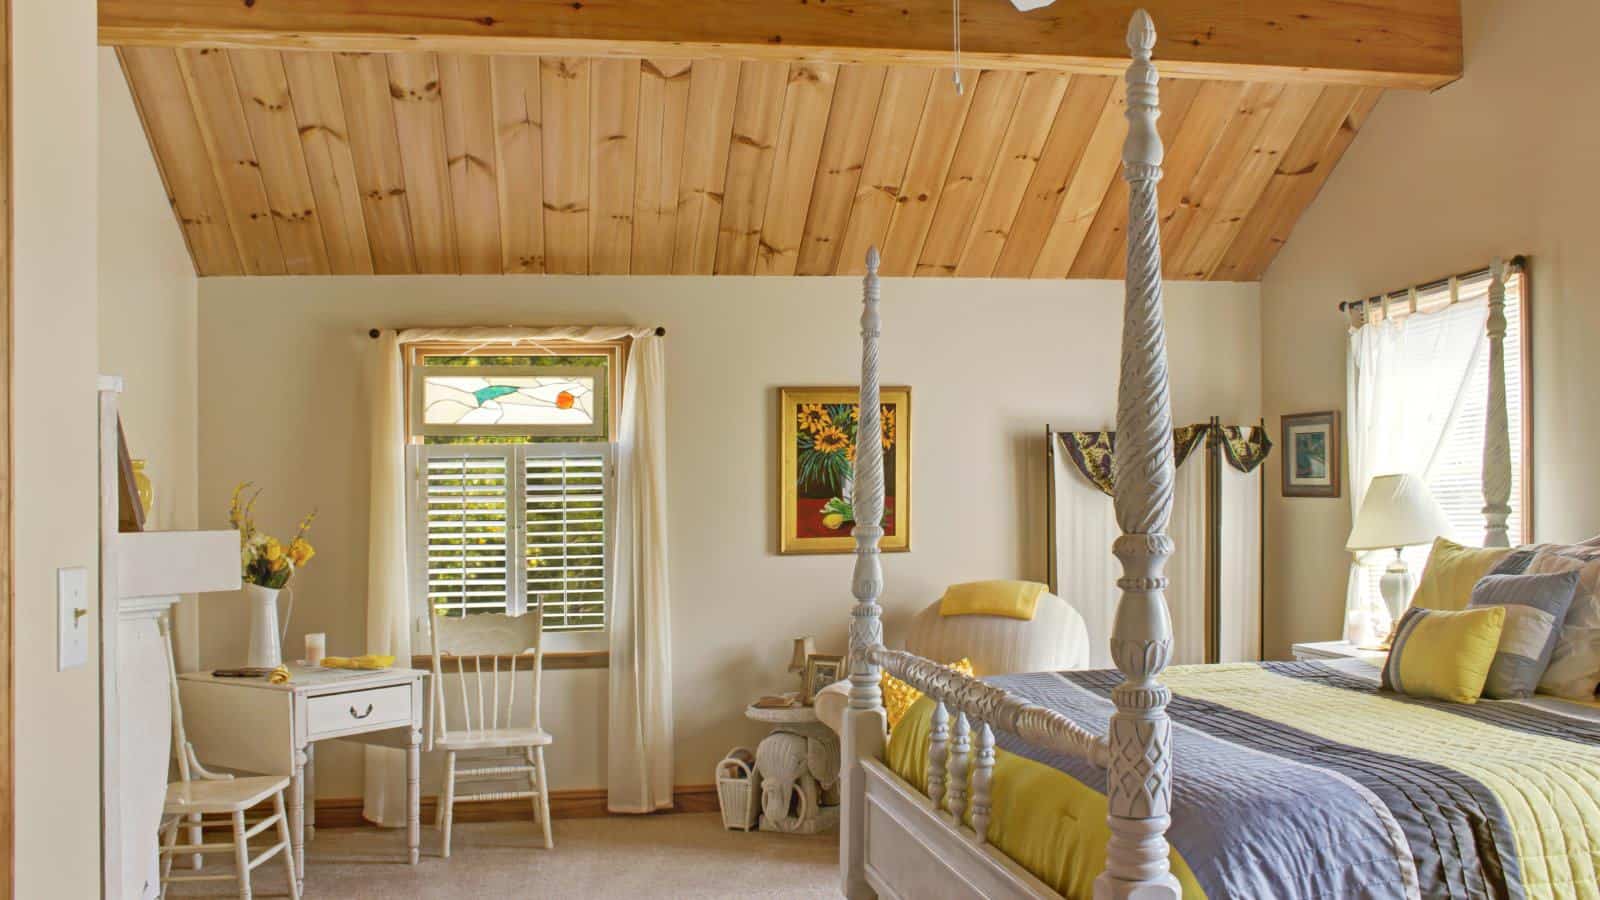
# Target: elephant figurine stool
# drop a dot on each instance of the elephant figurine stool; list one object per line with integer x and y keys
{"x": 799, "y": 768}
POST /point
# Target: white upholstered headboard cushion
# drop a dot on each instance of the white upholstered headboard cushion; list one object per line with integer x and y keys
{"x": 1054, "y": 639}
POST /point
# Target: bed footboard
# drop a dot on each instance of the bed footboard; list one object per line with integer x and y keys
{"x": 913, "y": 849}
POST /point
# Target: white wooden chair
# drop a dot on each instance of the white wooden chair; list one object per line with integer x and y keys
{"x": 484, "y": 650}
{"x": 199, "y": 793}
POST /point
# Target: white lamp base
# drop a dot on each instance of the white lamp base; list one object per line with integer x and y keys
{"x": 1395, "y": 586}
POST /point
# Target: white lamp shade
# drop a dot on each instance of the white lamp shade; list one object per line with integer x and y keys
{"x": 1397, "y": 511}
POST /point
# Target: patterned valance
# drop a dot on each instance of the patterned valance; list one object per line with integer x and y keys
{"x": 1245, "y": 446}
{"x": 1093, "y": 452}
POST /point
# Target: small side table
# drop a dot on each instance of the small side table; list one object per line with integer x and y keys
{"x": 1323, "y": 650}
{"x": 799, "y": 765}
{"x": 252, "y": 725}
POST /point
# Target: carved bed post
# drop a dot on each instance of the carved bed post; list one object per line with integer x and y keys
{"x": 1496, "y": 427}
{"x": 865, "y": 721}
{"x": 1139, "y": 776}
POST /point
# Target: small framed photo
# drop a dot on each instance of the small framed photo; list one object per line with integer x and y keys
{"x": 1312, "y": 456}
{"x": 821, "y": 671}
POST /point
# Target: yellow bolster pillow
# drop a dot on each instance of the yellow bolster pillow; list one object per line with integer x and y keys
{"x": 1444, "y": 654}
{"x": 1013, "y": 599}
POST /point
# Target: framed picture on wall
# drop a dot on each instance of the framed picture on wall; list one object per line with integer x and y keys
{"x": 1312, "y": 455}
{"x": 816, "y": 471}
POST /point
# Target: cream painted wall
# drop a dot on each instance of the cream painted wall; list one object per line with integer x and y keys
{"x": 1502, "y": 162}
{"x": 54, "y": 454}
{"x": 990, "y": 363}
{"x": 148, "y": 319}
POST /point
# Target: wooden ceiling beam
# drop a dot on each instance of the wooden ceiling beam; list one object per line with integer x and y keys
{"x": 1375, "y": 43}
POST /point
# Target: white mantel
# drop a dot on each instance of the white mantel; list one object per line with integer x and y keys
{"x": 142, "y": 574}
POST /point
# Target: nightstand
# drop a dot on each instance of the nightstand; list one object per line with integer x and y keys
{"x": 1336, "y": 650}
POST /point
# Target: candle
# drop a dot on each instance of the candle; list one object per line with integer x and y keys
{"x": 316, "y": 648}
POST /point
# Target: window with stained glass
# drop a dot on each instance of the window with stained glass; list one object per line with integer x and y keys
{"x": 528, "y": 397}
{"x": 512, "y": 485}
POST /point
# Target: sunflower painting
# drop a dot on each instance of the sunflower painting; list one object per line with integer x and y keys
{"x": 817, "y": 470}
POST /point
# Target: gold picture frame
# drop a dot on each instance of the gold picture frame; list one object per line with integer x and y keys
{"x": 816, "y": 466}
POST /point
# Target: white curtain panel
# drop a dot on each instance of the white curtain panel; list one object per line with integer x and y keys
{"x": 1240, "y": 559}
{"x": 1186, "y": 568}
{"x": 639, "y": 778}
{"x": 641, "y": 718}
{"x": 1086, "y": 571}
{"x": 1404, "y": 383}
{"x": 388, "y": 609}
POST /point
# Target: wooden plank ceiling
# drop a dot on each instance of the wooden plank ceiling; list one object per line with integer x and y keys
{"x": 316, "y": 162}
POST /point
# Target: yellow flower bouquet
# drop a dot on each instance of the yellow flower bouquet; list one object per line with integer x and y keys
{"x": 267, "y": 561}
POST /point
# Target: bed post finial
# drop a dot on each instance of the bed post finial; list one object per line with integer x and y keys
{"x": 1139, "y": 774}
{"x": 864, "y": 722}
{"x": 1497, "y": 427}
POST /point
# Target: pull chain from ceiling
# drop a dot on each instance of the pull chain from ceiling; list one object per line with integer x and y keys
{"x": 955, "y": 16}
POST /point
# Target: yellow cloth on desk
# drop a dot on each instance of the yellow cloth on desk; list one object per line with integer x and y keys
{"x": 369, "y": 661}
{"x": 1012, "y": 599}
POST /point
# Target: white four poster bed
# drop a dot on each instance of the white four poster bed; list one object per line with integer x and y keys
{"x": 900, "y": 841}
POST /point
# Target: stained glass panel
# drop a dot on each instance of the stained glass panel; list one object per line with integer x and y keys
{"x": 509, "y": 400}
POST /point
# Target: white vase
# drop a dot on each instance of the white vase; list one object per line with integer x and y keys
{"x": 265, "y": 652}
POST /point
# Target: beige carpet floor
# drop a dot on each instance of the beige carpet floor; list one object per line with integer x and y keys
{"x": 652, "y": 857}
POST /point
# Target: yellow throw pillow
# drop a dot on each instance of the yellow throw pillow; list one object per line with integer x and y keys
{"x": 898, "y": 696}
{"x": 1012, "y": 599}
{"x": 1452, "y": 571}
{"x": 1443, "y": 654}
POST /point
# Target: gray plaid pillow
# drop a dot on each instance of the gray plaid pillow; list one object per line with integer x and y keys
{"x": 1536, "y": 606}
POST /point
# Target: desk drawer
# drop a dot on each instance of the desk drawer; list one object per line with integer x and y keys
{"x": 357, "y": 711}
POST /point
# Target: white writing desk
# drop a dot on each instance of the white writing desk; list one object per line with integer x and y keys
{"x": 251, "y": 725}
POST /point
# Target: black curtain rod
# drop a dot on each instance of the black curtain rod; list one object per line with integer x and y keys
{"x": 661, "y": 331}
{"x": 1519, "y": 262}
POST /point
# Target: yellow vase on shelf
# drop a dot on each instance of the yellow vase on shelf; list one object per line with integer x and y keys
{"x": 141, "y": 483}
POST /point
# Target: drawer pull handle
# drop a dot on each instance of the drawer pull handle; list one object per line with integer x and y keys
{"x": 356, "y": 715}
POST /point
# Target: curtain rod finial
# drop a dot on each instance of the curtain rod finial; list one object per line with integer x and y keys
{"x": 374, "y": 333}
{"x": 661, "y": 331}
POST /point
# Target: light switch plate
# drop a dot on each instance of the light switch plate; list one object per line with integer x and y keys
{"x": 72, "y": 602}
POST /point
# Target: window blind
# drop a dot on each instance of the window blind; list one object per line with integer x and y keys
{"x": 565, "y": 506}
{"x": 468, "y": 529}
{"x": 484, "y": 507}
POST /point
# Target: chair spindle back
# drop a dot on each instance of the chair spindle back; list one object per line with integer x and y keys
{"x": 484, "y": 651}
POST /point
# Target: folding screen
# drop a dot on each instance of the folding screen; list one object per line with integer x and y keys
{"x": 1214, "y": 590}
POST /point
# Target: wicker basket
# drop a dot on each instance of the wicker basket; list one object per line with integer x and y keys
{"x": 739, "y": 790}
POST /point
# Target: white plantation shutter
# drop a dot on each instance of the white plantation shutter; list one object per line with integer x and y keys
{"x": 500, "y": 526}
{"x": 468, "y": 533}
{"x": 567, "y": 520}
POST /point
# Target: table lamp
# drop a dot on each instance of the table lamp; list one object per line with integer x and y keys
{"x": 1399, "y": 512}
{"x": 803, "y": 647}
